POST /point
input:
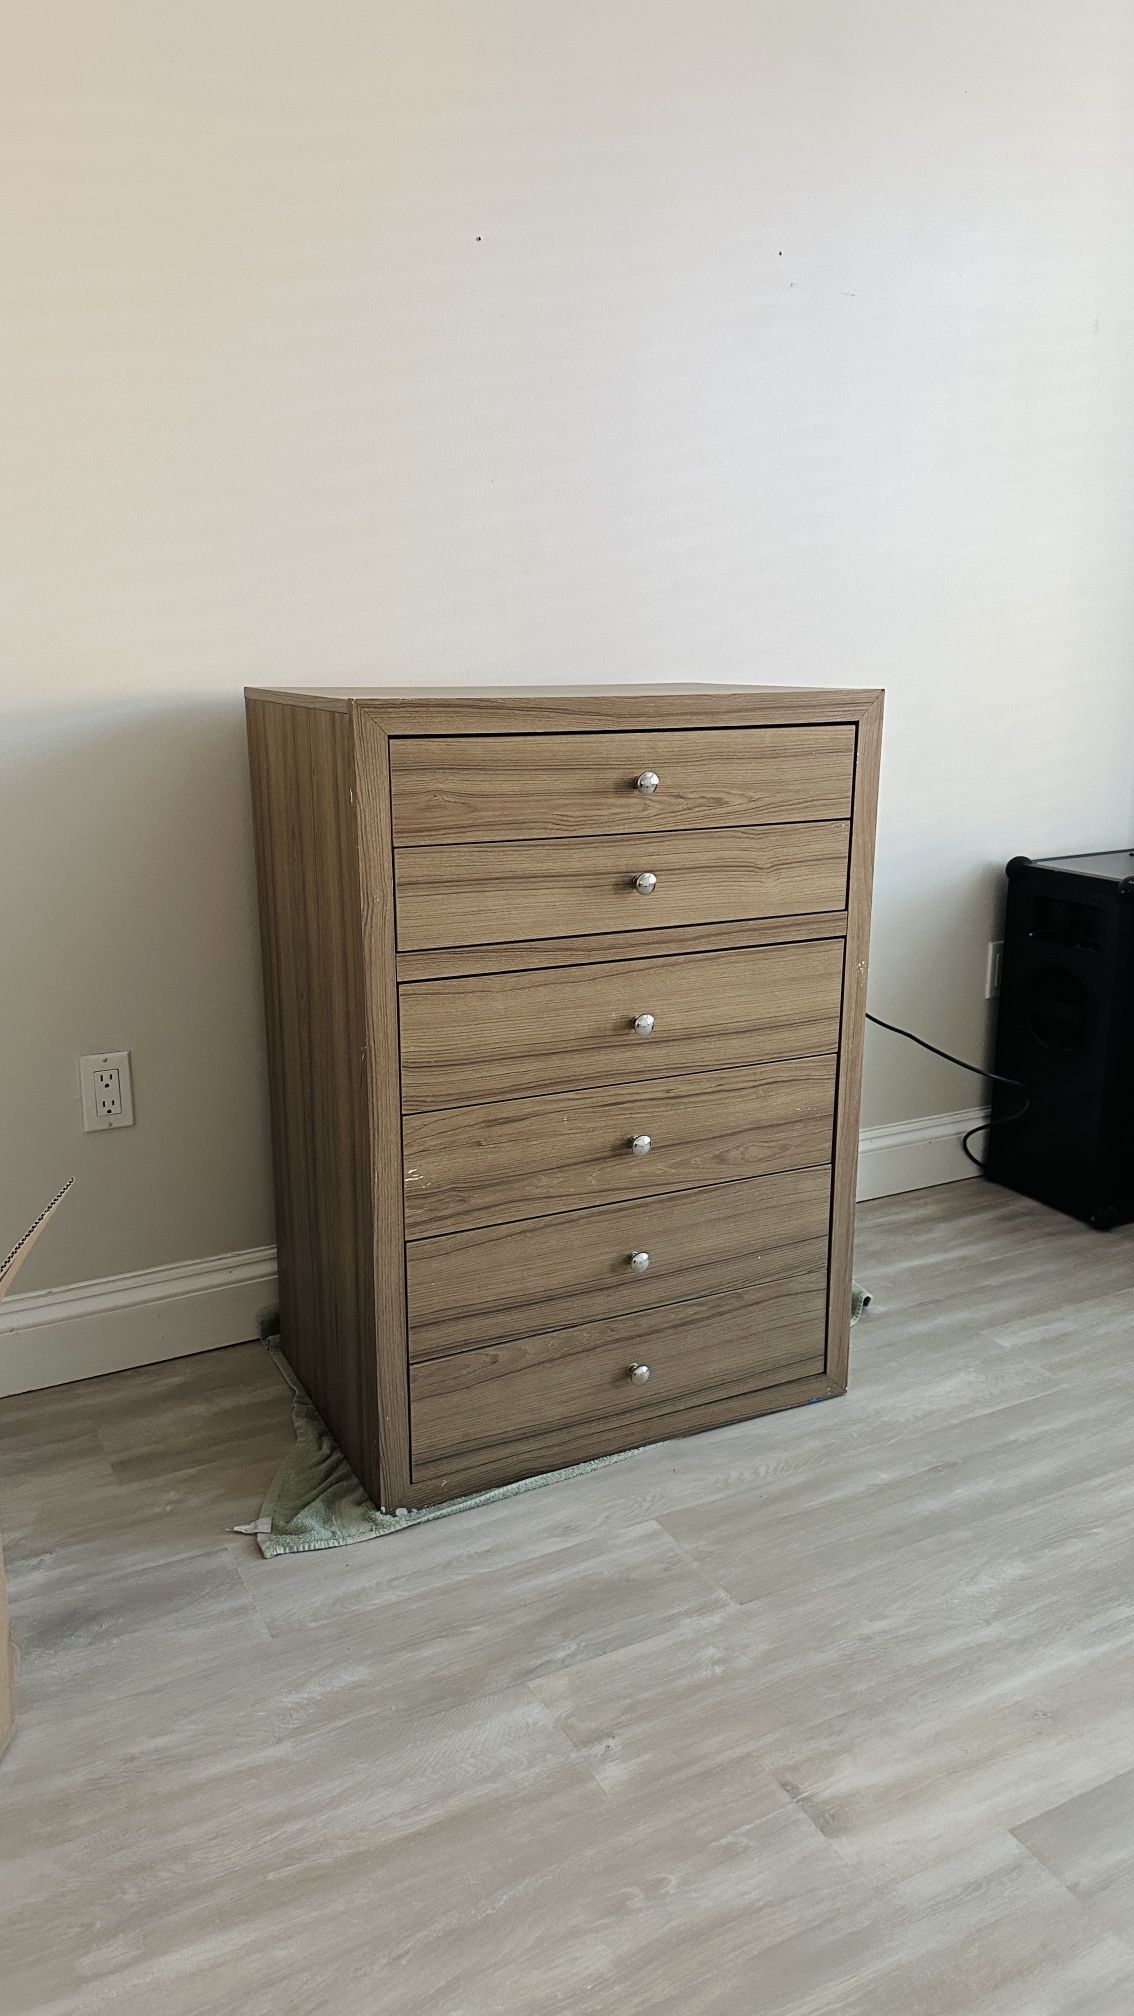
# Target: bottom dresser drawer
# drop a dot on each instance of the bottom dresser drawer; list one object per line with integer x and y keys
{"x": 518, "y": 1407}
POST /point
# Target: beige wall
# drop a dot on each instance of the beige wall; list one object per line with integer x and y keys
{"x": 622, "y": 338}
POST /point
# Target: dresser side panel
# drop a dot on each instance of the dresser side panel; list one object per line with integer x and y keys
{"x": 301, "y": 762}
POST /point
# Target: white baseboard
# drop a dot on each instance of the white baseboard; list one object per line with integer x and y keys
{"x": 915, "y": 1154}
{"x": 62, "y": 1334}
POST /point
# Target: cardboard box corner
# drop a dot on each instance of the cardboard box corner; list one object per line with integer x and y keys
{"x": 9, "y": 1268}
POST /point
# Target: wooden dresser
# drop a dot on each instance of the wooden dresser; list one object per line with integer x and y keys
{"x": 564, "y": 1007}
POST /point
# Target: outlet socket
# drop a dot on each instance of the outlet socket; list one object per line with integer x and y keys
{"x": 107, "y": 1090}
{"x": 992, "y": 967}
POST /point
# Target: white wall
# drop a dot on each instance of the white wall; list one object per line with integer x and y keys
{"x": 513, "y": 341}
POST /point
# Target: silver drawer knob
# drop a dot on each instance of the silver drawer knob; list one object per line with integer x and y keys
{"x": 639, "y": 1374}
{"x": 645, "y": 884}
{"x": 648, "y": 782}
{"x": 643, "y": 1025}
{"x": 639, "y": 1262}
{"x": 641, "y": 1144}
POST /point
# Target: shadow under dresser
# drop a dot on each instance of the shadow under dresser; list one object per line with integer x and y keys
{"x": 564, "y": 995}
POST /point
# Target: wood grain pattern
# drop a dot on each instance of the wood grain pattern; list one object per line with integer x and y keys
{"x": 489, "y": 1037}
{"x": 562, "y": 1727}
{"x": 482, "y": 1287}
{"x": 1088, "y": 1843}
{"x": 467, "y": 710}
{"x": 301, "y": 764}
{"x": 490, "y": 787}
{"x": 555, "y": 1451}
{"x": 495, "y": 1409}
{"x": 372, "y": 811}
{"x": 483, "y": 976}
{"x": 524, "y": 888}
{"x": 454, "y": 960}
{"x": 523, "y": 1158}
{"x": 851, "y": 1033}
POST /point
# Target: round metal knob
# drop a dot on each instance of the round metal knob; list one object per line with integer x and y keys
{"x": 643, "y": 1025}
{"x": 645, "y": 884}
{"x": 639, "y": 1374}
{"x": 639, "y": 1262}
{"x": 641, "y": 1144}
{"x": 648, "y": 782}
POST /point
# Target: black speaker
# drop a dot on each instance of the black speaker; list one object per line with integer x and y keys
{"x": 1065, "y": 1030}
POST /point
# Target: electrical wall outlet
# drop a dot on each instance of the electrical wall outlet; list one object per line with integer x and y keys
{"x": 107, "y": 1089}
{"x": 992, "y": 968}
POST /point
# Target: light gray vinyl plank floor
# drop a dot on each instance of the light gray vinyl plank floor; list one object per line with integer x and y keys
{"x": 828, "y": 1714}
{"x": 1088, "y": 1843}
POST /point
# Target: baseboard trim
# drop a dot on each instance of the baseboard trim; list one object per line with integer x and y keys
{"x": 915, "y": 1154}
{"x": 57, "y": 1335}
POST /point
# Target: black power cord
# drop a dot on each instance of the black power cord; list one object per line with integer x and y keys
{"x": 978, "y": 1071}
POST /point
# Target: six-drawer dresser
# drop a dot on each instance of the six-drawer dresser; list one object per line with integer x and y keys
{"x": 564, "y": 998}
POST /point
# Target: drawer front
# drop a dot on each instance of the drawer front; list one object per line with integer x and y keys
{"x": 496, "y": 1035}
{"x": 498, "y": 1408}
{"x": 523, "y": 1158}
{"x": 530, "y": 787}
{"x": 493, "y": 893}
{"x": 500, "y": 1281}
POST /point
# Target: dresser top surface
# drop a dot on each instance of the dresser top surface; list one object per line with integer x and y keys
{"x": 463, "y": 709}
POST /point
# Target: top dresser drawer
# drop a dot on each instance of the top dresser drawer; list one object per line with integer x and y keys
{"x": 545, "y": 787}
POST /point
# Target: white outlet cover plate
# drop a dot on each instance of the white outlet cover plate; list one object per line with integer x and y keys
{"x": 106, "y": 1060}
